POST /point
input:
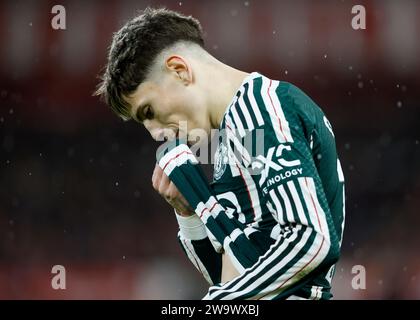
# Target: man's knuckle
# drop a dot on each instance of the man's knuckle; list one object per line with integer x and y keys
{"x": 171, "y": 195}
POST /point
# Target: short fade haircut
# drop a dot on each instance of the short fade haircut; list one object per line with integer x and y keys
{"x": 134, "y": 48}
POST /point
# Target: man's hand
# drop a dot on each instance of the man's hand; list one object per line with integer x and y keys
{"x": 165, "y": 187}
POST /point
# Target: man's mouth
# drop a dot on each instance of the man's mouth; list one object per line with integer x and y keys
{"x": 176, "y": 134}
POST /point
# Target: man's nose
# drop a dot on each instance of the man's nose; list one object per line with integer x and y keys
{"x": 155, "y": 132}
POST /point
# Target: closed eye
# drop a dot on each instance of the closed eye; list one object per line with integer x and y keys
{"x": 148, "y": 112}
{"x": 144, "y": 113}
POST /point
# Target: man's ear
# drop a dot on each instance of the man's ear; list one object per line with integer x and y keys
{"x": 180, "y": 68}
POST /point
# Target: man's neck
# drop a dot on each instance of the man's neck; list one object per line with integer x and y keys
{"x": 225, "y": 82}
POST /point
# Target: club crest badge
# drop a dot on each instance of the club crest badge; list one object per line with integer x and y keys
{"x": 220, "y": 161}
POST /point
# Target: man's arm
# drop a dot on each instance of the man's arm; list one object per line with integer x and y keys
{"x": 197, "y": 246}
{"x": 227, "y": 235}
{"x": 192, "y": 235}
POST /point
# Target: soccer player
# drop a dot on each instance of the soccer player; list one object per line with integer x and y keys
{"x": 270, "y": 224}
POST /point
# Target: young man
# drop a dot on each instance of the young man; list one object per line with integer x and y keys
{"x": 270, "y": 224}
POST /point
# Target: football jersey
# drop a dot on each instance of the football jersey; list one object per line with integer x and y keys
{"x": 276, "y": 202}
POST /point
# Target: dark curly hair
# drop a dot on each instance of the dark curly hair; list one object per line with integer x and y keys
{"x": 134, "y": 48}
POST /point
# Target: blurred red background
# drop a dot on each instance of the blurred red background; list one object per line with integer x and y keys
{"x": 75, "y": 181}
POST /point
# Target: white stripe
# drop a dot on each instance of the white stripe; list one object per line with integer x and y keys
{"x": 253, "y": 194}
{"x": 178, "y": 161}
{"x": 235, "y": 234}
{"x": 320, "y": 211}
{"x": 196, "y": 260}
{"x": 275, "y": 232}
{"x": 344, "y": 215}
{"x": 200, "y": 207}
{"x": 319, "y": 295}
{"x": 244, "y": 109}
{"x": 226, "y": 245}
{"x": 340, "y": 171}
{"x": 316, "y": 212}
{"x": 272, "y": 210}
{"x": 238, "y": 122}
{"x": 231, "y": 136}
{"x": 289, "y": 212}
{"x": 203, "y": 209}
{"x": 279, "y": 110}
{"x": 232, "y": 237}
{"x": 249, "y": 230}
{"x": 172, "y": 153}
{"x": 278, "y": 121}
{"x": 255, "y": 107}
{"x": 215, "y": 243}
{"x": 313, "y": 292}
{"x": 279, "y": 209}
{"x": 298, "y": 204}
{"x": 232, "y": 164}
{"x": 188, "y": 250}
{"x": 311, "y": 143}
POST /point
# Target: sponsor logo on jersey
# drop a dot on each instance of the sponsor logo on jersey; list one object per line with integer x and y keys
{"x": 275, "y": 160}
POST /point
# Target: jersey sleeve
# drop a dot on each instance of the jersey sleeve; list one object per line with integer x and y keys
{"x": 195, "y": 243}
{"x": 226, "y": 235}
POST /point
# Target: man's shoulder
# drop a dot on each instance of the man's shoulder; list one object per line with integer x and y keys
{"x": 261, "y": 100}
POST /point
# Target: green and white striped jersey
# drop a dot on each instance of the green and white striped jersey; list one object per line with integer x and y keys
{"x": 276, "y": 203}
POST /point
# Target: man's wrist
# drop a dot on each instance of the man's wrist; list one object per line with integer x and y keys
{"x": 186, "y": 213}
{"x": 191, "y": 227}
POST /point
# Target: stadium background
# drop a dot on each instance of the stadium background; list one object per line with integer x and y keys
{"x": 75, "y": 181}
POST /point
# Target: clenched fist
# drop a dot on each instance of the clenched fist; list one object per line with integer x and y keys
{"x": 165, "y": 187}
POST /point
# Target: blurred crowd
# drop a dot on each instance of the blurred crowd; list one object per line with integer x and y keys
{"x": 75, "y": 181}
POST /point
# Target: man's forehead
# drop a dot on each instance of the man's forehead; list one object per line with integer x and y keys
{"x": 141, "y": 93}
